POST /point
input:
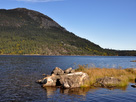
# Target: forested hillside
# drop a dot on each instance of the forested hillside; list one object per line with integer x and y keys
{"x": 24, "y": 31}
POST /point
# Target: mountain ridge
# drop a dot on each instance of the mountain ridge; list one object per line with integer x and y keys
{"x": 24, "y": 31}
{"x": 40, "y": 18}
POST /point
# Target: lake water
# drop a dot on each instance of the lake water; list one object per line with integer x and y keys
{"x": 19, "y": 73}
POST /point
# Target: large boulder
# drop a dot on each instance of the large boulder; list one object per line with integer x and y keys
{"x": 107, "y": 82}
{"x": 73, "y": 80}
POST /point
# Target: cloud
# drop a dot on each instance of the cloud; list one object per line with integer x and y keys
{"x": 39, "y": 0}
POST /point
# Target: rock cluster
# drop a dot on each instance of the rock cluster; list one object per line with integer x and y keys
{"x": 64, "y": 78}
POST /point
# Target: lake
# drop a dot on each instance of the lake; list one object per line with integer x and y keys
{"x": 19, "y": 73}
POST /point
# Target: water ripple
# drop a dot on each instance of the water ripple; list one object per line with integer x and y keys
{"x": 19, "y": 73}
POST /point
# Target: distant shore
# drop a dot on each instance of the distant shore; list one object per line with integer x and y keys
{"x": 46, "y": 55}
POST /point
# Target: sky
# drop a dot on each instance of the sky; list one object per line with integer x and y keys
{"x": 107, "y": 23}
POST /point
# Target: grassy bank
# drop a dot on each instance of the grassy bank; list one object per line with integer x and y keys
{"x": 125, "y": 75}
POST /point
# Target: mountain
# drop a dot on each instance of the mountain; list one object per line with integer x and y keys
{"x": 24, "y": 31}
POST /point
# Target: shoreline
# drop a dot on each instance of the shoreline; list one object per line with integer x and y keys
{"x": 42, "y": 55}
{"x": 53, "y": 55}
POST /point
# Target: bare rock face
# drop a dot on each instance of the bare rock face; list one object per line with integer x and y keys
{"x": 107, "y": 82}
{"x": 59, "y": 78}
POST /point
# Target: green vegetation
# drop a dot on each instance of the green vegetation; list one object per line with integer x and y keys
{"x": 24, "y": 31}
{"x": 45, "y": 42}
{"x": 125, "y": 75}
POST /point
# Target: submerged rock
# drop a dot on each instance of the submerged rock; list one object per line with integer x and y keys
{"x": 59, "y": 78}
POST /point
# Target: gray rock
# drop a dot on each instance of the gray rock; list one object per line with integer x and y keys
{"x": 68, "y": 70}
{"x": 57, "y": 71}
{"x": 73, "y": 80}
{"x": 107, "y": 82}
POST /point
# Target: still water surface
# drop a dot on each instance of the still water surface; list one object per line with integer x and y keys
{"x": 19, "y": 73}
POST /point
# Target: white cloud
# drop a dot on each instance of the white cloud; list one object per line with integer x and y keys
{"x": 39, "y": 0}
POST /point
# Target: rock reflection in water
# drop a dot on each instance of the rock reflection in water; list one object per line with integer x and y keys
{"x": 50, "y": 91}
{"x": 75, "y": 91}
{"x": 124, "y": 88}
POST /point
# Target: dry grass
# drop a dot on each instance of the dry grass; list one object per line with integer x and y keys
{"x": 125, "y": 75}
